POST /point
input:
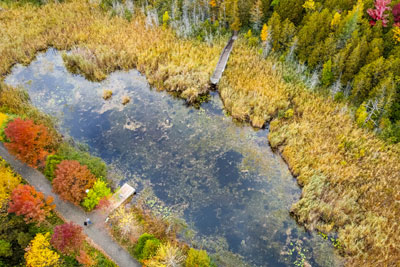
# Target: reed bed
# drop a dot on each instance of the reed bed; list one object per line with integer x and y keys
{"x": 350, "y": 178}
{"x": 100, "y": 44}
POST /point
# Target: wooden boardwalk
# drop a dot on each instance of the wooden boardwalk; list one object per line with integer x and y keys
{"x": 223, "y": 60}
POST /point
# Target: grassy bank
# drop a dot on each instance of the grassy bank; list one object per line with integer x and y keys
{"x": 350, "y": 177}
{"x": 101, "y": 44}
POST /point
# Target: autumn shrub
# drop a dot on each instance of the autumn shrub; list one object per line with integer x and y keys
{"x": 31, "y": 143}
{"x": 85, "y": 259}
{"x": 95, "y": 164}
{"x": 146, "y": 246}
{"x": 3, "y": 123}
{"x": 15, "y": 102}
{"x": 197, "y": 258}
{"x": 126, "y": 224}
{"x": 167, "y": 255}
{"x": 8, "y": 181}
{"x": 33, "y": 205}
{"x": 5, "y": 248}
{"x": 39, "y": 253}
{"x": 99, "y": 191}
{"x": 72, "y": 180}
{"x": 67, "y": 238}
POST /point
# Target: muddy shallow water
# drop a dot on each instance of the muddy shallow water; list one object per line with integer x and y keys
{"x": 221, "y": 177}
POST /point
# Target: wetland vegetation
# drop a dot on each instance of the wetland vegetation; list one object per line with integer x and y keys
{"x": 323, "y": 76}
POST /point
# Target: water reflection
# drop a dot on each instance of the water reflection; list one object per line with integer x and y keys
{"x": 222, "y": 178}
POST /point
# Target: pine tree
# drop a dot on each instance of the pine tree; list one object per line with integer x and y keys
{"x": 315, "y": 30}
{"x": 290, "y": 9}
{"x": 327, "y": 75}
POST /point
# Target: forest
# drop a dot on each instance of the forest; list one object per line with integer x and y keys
{"x": 349, "y": 48}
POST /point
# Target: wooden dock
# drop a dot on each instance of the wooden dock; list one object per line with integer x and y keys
{"x": 121, "y": 195}
{"x": 223, "y": 60}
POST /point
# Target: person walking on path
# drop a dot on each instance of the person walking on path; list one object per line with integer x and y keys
{"x": 87, "y": 222}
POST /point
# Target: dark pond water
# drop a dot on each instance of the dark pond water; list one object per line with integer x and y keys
{"x": 222, "y": 178}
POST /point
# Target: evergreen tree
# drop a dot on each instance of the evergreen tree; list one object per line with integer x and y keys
{"x": 290, "y": 9}
{"x": 316, "y": 28}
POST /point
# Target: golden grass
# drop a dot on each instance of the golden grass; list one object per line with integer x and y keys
{"x": 100, "y": 45}
{"x": 350, "y": 177}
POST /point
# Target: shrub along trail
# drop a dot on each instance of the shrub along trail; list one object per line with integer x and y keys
{"x": 96, "y": 232}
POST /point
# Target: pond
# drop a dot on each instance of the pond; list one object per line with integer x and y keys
{"x": 219, "y": 176}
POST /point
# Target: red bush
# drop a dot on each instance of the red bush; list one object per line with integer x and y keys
{"x": 26, "y": 201}
{"x": 31, "y": 143}
{"x": 396, "y": 14}
{"x": 379, "y": 12}
{"x": 67, "y": 238}
{"x": 72, "y": 180}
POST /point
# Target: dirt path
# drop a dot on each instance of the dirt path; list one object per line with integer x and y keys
{"x": 96, "y": 232}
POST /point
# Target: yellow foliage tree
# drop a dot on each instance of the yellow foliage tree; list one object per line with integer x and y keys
{"x": 336, "y": 19}
{"x": 264, "y": 33}
{"x": 167, "y": 255}
{"x": 309, "y": 5}
{"x": 213, "y": 3}
{"x": 165, "y": 20}
{"x": 39, "y": 254}
{"x": 8, "y": 181}
{"x": 396, "y": 34}
{"x": 125, "y": 220}
{"x": 3, "y": 119}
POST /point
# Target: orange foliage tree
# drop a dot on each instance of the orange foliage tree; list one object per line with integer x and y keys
{"x": 67, "y": 238}
{"x": 31, "y": 143}
{"x": 85, "y": 259}
{"x": 33, "y": 205}
{"x": 72, "y": 180}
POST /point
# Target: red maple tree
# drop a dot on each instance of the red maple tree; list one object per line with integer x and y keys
{"x": 379, "y": 12}
{"x": 67, "y": 238}
{"x": 72, "y": 180}
{"x": 33, "y": 205}
{"x": 29, "y": 142}
{"x": 396, "y": 14}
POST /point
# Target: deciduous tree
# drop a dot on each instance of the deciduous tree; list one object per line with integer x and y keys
{"x": 72, "y": 180}
{"x": 67, "y": 238}
{"x": 39, "y": 254}
{"x": 381, "y": 6}
{"x": 33, "y": 205}
{"x": 31, "y": 143}
{"x": 98, "y": 191}
{"x": 8, "y": 181}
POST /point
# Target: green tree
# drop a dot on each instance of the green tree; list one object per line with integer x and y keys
{"x": 290, "y": 9}
{"x": 315, "y": 30}
{"x": 327, "y": 75}
{"x": 99, "y": 190}
{"x": 5, "y": 248}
